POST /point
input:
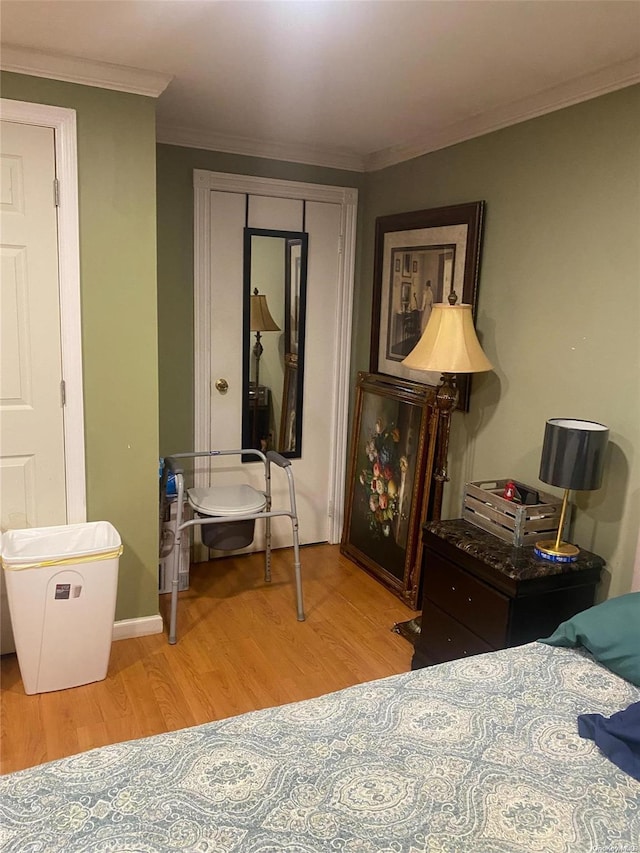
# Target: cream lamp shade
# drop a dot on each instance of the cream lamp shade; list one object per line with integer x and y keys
{"x": 448, "y": 346}
{"x": 261, "y": 319}
{"x": 449, "y": 343}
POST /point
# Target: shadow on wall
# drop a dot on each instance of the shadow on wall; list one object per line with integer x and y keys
{"x": 487, "y": 389}
{"x": 606, "y": 505}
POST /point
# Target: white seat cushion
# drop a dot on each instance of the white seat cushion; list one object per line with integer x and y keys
{"x": 227, "y": 500}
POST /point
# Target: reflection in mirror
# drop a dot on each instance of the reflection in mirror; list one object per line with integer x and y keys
{"x": 275, "y": 272}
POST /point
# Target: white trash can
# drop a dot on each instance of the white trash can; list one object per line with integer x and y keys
{"x": 61, "y": 588}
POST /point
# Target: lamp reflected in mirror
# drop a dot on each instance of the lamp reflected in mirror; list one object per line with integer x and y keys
{"x": 260, "y": 321}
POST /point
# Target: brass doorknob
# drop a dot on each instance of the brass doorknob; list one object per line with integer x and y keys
{"x": 222, "y": 385}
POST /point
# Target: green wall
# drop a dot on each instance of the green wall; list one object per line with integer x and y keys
{"x": 175, "y": 268}
{"x": 117, "y": 201}
{"x": 558, "y": 310}
{"x": 559, "y": 296}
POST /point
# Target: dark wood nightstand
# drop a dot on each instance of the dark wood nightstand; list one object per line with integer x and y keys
{"x": 482, "y": 594}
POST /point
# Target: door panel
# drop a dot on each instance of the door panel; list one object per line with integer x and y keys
{"x": 32, "y": 462}
{"x": 228, "y": 217}
{"x": 313, "y": 470}
{"x": 228, "y": 211}
{"x": 278, "y": 214}
{"x": 32, "y": 488}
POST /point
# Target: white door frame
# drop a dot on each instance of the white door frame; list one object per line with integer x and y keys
{"x": 63, "y": 122}
{"x": 347, "y": 197}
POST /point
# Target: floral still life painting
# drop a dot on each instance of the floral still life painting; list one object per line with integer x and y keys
{"x": 384, "y": 480}
{"x": 387, "y": 498}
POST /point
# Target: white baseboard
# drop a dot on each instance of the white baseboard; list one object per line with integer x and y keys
{"x": 125, "y": 629}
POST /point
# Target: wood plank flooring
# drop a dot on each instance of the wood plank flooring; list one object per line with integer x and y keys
{"x": 240, "y": 648}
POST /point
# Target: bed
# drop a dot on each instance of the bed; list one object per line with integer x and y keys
{"x": 479, "y": 755}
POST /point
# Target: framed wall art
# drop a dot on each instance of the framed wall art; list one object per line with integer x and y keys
{"x": 390, "y": 479}
{"x": 289, "y": 435}
{"x": 292, "y": 295}
{"x": 420, "y": 258}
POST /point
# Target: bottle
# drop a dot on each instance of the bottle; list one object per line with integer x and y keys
{"x": 171, "y": 486}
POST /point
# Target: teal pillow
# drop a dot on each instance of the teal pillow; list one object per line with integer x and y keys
{"x": 610, "y": 631}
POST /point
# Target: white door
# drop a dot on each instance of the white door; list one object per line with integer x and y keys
{"x": 32, "y": 461}
{"x": 312, "y": 470}
{"x": 319, "y": 473}
{"x": 32, "y": 487}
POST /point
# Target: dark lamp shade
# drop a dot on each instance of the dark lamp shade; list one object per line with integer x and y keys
{"x": 573, "y": 454}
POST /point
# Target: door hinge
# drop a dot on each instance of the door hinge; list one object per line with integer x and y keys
{"x": 56, "y": 192}
{"x": 330, "y": 513}
{"x": 341, "y": 244}
{"x": 63, "y": 393}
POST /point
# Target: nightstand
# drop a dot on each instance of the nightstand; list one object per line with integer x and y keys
{"x": 482, "y": 594}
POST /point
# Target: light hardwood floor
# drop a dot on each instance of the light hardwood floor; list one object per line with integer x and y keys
{"x": 239, "y": 648}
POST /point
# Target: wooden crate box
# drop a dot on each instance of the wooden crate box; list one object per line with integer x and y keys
{"x": 520, "y": 524}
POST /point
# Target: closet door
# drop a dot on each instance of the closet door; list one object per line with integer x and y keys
{"x": 312, "y": 471}
{"x": 31, "y": 408}
{"x": 224, "y": 204}
{"x": 32, "y": 458}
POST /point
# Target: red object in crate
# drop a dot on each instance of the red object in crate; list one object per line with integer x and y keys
{"x": 509, "y": 490}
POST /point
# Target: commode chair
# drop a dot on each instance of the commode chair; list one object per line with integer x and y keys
{"x": 226, "y": 515}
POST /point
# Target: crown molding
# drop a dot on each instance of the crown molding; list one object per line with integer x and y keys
{"x": 211, "y": 141}
{"x": 87, "y": 72}
{"x": 138, "y": 81}
{"x": 575, "y": 91}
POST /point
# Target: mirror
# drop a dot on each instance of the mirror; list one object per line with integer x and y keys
{"x": 275, "y": 284}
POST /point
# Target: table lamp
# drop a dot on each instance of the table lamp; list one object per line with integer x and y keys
{"x": 260, "y": 320}
{"x": 573, "y": 459}
{"x": 449, "y": 345}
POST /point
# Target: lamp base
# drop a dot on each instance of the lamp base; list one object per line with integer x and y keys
{"x": 561, "y": 552}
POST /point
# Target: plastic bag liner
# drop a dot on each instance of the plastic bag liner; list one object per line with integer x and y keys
{"x": 35, "y": 547}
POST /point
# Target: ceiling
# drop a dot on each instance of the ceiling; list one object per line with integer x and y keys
{"x": 356, "y": 84}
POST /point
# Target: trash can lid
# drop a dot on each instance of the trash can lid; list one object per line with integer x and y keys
{"x": 35, "y": 545}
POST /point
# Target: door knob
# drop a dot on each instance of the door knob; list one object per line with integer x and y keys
{"x": 222, "y": 386}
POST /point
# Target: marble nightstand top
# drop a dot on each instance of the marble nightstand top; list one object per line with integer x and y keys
{"x": 517, "y": 563}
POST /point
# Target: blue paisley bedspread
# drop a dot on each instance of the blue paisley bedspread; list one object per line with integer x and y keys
{"x": 480, "y": 755}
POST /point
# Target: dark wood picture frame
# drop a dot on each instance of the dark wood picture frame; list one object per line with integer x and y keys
{"x": 289, "y": 434}
{"x": 292, "y": 295}
{"x": 441, "y": 246}
{"x": 390, "y": 478}
{"x": 295, "y": 296}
